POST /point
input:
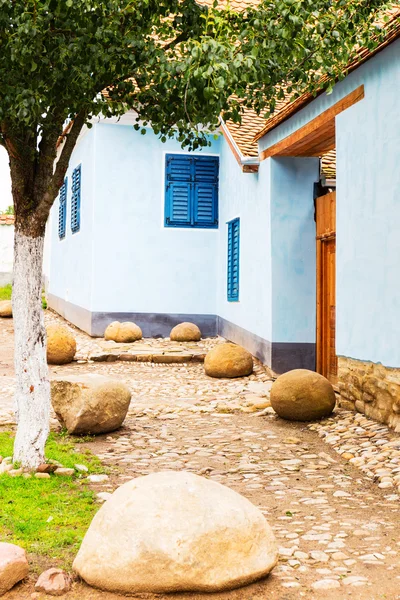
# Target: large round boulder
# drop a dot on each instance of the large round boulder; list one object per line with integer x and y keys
{"x": 302, "y": 395}
{"x": 13, "y": 566}
{"x": 124, "y": 333}
{"x": 89, "y": 404}
{"x": 228, "y": 360}
{"x": 175, "y": 532}
{"x": 61, "y": 345}
{"x": 5, "y": 308}
{"x": 185, "y": 332}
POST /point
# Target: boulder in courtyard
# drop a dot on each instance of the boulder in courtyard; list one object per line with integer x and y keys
{"x": 175, "y": 532}
{"x": 90, "y": 404}
{"x": 5, "y": 308}
{"x": 302, "y": 395}
{"x": 123, "y": 332}
{"x": 61, "y": 345}
{"x": 13, "y": 566}
{"x": 185, "y": 332}
{"x": 228, "y": 360}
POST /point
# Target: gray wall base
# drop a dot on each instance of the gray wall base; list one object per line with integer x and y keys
{"x": 258, "y": 347}
{"x": 154, "y": 324}
{"x": 287, "y": 356}
{"x": 81, "y": 317}
{"x": 280, "y": 357}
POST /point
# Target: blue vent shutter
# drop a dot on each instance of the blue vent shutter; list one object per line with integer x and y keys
{"x": 62, "y": 210}
{"x": 205, "y": 205}
{"x": 179, "y": 167}
{"x": 76, "y": 200}
{"x": 233, "y": 260}
{"x": 206, "y": 169}
{"x": 178, "y": 211}
{"x": 205, "y": 199}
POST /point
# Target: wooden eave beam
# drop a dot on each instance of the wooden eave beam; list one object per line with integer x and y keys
{"x": 318, "y": 135}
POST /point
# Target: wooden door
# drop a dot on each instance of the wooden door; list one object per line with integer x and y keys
{"x": 326, "y": 286}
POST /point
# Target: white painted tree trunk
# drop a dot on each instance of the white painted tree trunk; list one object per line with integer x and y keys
{"x": 32, "y": 394}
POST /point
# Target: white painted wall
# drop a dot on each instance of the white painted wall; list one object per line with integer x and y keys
{"x": 71, "y": 258}
{"x": 247, "y": 196}
{"x": 139, "y": 265}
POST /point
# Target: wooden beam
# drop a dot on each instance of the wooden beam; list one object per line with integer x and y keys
{"x": 316, "y": 137}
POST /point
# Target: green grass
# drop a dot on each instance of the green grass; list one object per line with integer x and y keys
{"x": 5, "y": 294}
{"x": 48, "y": 517}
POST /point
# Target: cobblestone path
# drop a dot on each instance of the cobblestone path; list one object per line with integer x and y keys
{"x": 319, "y": 486}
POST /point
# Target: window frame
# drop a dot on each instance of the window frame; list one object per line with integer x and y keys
{"x": 193, "y": 185}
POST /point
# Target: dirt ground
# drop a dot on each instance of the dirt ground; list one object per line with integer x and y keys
{"x": 338, "y": 533}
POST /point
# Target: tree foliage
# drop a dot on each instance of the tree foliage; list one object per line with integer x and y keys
{"x": 179, "y": 63}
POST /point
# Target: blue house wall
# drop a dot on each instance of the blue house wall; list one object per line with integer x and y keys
{"x": 125, "y": 264}
{"x": 368, "y": 210}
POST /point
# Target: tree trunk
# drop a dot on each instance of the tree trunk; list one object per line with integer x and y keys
{"x": 32, "y": 395}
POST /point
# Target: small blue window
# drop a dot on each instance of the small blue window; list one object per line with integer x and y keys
{"x": 191, "y": 191}
{"x": 62, "y": 210}
{"x": 233, "y": 260}
{"x": 76, "y": 200}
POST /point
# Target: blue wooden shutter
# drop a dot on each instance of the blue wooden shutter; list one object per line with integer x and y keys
{"x": 233, "y": 260}
{"x": 178, "y": 190}
{"x": 205, "y": 197}
{"x": 62, "y": 210}
{"x": 76, "y": 200}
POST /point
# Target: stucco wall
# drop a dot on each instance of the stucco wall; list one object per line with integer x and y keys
{"x": 293, "y": 249}
{"x": 138, "y": 264}
{"x": 6, "y": 253}
{"x": 71, "y": 258}
{"x": 368, "y": 208}
{"x": 247, "y": 196}
{"x": 368, "y": 217}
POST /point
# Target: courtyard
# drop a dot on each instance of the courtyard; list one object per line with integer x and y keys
{"x": 328, "y": 489}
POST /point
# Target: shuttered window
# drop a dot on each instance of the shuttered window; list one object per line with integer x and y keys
{"x": 76, "y": 200}
{"x": 191, "y": 191}
{"x": 233, "y": 260}
{"x": 62, "y": 210}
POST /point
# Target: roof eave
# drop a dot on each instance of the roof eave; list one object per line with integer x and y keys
{"x": 248, "y": 164}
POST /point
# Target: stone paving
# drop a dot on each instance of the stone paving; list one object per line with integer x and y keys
{"x": 328, "y": 489}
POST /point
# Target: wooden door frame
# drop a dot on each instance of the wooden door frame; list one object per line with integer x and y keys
{"x": 321, "y": 238}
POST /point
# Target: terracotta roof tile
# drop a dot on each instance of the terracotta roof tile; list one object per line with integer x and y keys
{"x": 328, "y": 164}
{"x": 7, "y": 219}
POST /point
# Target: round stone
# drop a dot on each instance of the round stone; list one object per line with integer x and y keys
{"x": 5, "y": 309}
{"x": 175, "y": 532}
{"x": 302, "y": 395}
{"x": 124, "y": 333}
{"x": 61, "y": 345}
{"x": 89, "y": 404}
{"x": 228, "y": 360}
{"x": 185, "y": 332}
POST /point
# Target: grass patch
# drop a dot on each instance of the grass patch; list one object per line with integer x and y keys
{"x": 5, "y": 292}
{"x": 48, "y": 516}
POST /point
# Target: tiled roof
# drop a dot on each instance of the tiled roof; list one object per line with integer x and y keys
{"x": 7, "y": 219}
{"x": 328, "y": 164}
